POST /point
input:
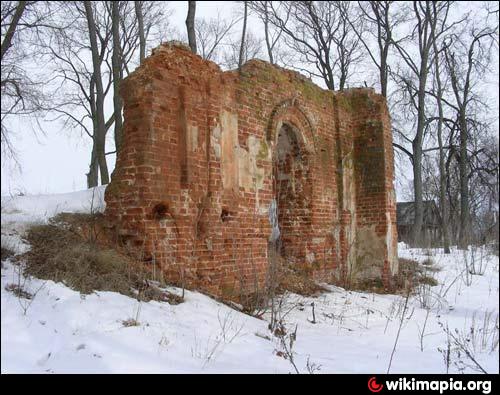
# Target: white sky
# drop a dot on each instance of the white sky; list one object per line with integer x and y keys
{"x": 57, "y": 160}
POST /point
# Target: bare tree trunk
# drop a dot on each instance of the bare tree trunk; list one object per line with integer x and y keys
{"x": 442, "y": 186}
{"x": 442, "y": 174}
{"x": 384, "y": 39}
{"x": 445, "y": 212}
{"x": 93, "y": 174}
{"x": 266, "y": 34}
{"x": 142, "y": 36}
{"x": 384, "y": 73}
{"x": 7, "y": 41}
{"x": 190, "y": 25}
{"x": 100, "y": 131}
{"x": 117, "y": 74}
{"x": 344, "y": 11}
{"x": 464, "y": 183}
{"x": 342, "y": 80}
{"x": 417, "y": 151}
{"x": 243, "y": 37}
{"x": 416, "y": 234}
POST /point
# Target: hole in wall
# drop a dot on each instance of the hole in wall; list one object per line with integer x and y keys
{"x": 226, "y": 215}
{"x": 160, "y": 211}
{"x": 291, "y": 192}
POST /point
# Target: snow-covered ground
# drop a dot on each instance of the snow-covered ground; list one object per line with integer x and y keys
{"x": 61, "y": 331}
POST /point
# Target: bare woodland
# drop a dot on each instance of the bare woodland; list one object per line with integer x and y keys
{"x": 434, "y": 62}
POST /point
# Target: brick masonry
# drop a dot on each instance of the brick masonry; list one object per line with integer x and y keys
{"x": 206, "y": 152}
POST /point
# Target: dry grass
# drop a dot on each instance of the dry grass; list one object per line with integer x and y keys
{"x": 283, "y": 277}
{"x": 6, "y": 253}
{"x": 375, "y": 285}
{"x": 428, "y": 262}
{"x": 427, "y": 280}
{"x": 130, "y": 322}
{"x": 298, "y": 282}
{"x": 67, "y": 250}
{"x": 286, "y": 275}
{"x": 18, "y": 291}
{"x": 412, "y": 273}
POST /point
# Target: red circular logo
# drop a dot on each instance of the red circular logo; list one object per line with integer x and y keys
{"x": 373, "y": 386}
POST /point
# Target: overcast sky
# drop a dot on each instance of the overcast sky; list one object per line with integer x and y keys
{"x": 57, "y": 160}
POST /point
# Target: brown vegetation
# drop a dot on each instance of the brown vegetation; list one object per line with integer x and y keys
{"x": 71, "y": 249}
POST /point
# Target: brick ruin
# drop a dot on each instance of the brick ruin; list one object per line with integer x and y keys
{"x": 217, "y": 168}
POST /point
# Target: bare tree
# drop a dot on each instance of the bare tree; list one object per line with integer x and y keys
{"x": 76, "y": 64}
{"x": 430, "y": 24}
{"x": 12, "y": 26}
{"x": 261, "y": 9}
{"x": 273, "y": 36}
{"x": 377, "y": 21}
{"x": 251, "y": 50}
{"x": 462, "y": 60}
{"x": 22, "y": 90}
{"x": 190, "y": 25}
{"x": 482, "y": 170}
{"x": 81, "y": 86}
{"x": 145, "y": 26}
{"x": 11, "y": 91}
{"x": 117, "y": 66}
{"x": 211, "y": 36}
{"x": 442, "y": 170}
{"x": 320, "y": 35}
{"x": 243, "y": 35}
{"x": 140, "y": 26}
{"x": 99, "y": 136}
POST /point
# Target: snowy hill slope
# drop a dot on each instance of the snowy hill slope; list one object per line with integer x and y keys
{"x": 61, "y": 331}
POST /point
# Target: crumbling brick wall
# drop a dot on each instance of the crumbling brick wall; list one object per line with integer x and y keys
{"x": 206, "y": 154}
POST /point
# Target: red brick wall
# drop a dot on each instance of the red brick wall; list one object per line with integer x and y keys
{"x": 194, "y": 180}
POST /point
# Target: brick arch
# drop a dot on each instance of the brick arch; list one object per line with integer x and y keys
{"x": 290, "y": 112}
{"x": 293, "y": 198}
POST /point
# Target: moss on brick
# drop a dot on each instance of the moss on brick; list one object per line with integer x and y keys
{"x": 343, "y": 102}
{"x": 263, "y": 150}
{"x": 312, "y": 92}
{"x": 117, "y": 188}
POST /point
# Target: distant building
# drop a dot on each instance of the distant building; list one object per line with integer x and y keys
{"x": 431, "y": 226}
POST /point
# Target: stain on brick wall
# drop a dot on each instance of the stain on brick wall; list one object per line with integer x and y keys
{"x": 206, "y": 155}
